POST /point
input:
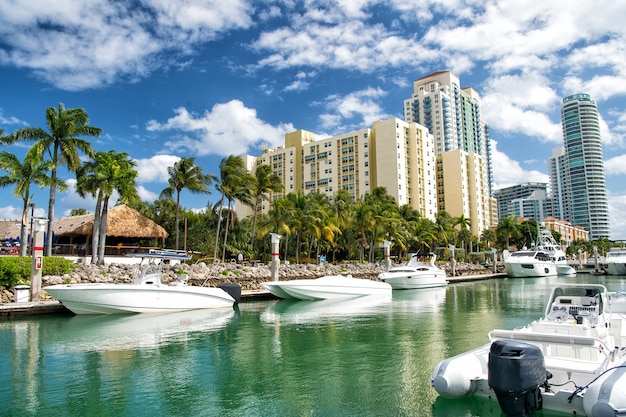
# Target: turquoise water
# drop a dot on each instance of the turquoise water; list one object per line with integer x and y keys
{"x": 365, "y": 357}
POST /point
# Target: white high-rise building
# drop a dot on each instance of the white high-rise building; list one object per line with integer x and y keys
{"x": 452, "y": 115}
{"x": 577, "y": 174}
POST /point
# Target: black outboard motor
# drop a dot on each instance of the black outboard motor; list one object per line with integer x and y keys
{"x": 234, "y": 290}
{"x": 516, "y": 371}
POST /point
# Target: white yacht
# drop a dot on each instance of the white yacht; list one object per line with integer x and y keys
{"x": 419, "y": 272}
{"x": 572, "y": 360}
{"x": 546, "y": 242}
{"x": 529, "y": 263}
{"x": 615, "y": 261}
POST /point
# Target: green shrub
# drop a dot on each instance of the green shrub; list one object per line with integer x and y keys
{"x": 17, "y": 269}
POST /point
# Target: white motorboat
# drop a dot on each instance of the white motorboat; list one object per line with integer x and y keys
{"x": 615, "y": 261}
{"x": 146, "y": 294}
{"x": 529, "y": 263}
{"x": 573, "y": 360}
{"x": 546, "y": 242}
{"x": 327, "y": 287}
{"x": 419, "y": 272}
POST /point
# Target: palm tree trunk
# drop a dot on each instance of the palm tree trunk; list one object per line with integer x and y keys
{"x": 51, "y": 202}
{"x": 23, "y": 237}
{"x": 219, "y": 223}
{"x": 103, "y": 231}
{"x": 226, "y": 232}
{"x": 95, "y": 233}
{"x": 177, "y": 216}
{"x": 256, "y": 206}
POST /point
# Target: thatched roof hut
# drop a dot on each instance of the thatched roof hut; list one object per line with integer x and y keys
{"x": 9, "y": 229}
{"x": 122, "y": 221}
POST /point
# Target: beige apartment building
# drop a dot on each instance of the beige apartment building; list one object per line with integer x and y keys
{"x": 394, "y": 154}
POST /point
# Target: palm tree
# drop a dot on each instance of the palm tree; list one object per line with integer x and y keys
{"x": 507, "y": 229}
{"x": 264, "y": 183}
{"x": 232, "y": 173}
{"x": 62, "y": 142}
{"x": 185, "y": 174}
{"x": 32, "y": 170}
{"x": 276, "y": 221}
{"x": 108, "y": 172}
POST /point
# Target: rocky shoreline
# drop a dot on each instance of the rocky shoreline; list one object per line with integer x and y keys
{"x": 248, "y": 277}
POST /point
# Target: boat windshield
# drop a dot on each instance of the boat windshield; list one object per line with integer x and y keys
{"x": 578, "y": 295}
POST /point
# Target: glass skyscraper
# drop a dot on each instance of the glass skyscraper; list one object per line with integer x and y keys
{"x": 577, "y": 174}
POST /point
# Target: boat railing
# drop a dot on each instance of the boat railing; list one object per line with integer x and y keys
{"x": 577, "y": 341}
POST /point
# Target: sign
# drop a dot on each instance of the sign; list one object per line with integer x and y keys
{"x": 38, "y": 262}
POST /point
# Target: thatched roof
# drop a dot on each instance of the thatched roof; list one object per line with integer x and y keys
{"x": 9, "y": 229}
{"x": 122, "y": 221}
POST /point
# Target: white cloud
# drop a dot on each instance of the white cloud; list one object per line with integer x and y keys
{"x": 227, "y": 129}
{"x": 357, "y": 109}
{"x": 89, "y": 44}
{"x": 617, "y": 205}
{"x": 506, "y": 116}
{"x": 147, "y": 195}
{"x": 10, "y": 213}
{"x": 508, "y": 172}
{"x": 154, "y": 169}
{"x": 615, "y": 165}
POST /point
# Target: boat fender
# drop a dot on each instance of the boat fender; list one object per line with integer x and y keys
{"x": 232, "y": 289}
{"x": 606, "y": 396}
{"x": 453, "y": 377}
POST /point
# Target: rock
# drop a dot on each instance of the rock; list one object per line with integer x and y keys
{"x": 249, "y": 277}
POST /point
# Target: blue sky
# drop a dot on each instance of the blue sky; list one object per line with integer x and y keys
{"x": 211, "y": 78}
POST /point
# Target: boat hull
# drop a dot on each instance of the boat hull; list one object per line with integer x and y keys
{"x": 414, "y": 280}
{"x": 128, "y": 298}
{"x": 331, "y": 287}
{"x": 615, "y": 268}
{"x": 530, "y": 269}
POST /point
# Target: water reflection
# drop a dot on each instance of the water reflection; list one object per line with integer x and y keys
{"x": 300, "y": 312}
{"x": 135, "y": 331}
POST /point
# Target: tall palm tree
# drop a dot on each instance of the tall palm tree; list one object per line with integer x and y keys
{"x": 264, "y": 183}
{"x": 22, "y": 174}
{"x": 108, "y": 172}
{"x": 232, "y": 175}
{"x": 62, "y": 142}
{"x": 276, "y": 221}
{"x": 185, "y": 174}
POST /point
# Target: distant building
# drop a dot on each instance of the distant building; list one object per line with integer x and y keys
{"x": 568, "y": 232}
{"x": 577, "y": 174}
{"x": 528, "y": 200}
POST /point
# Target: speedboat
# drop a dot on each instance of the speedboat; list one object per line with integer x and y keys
{"x": 546, "y": 242}
{"x": 327, "y": 287}
{"x": 572, "y": 360}
{"x": 418, "y": 272}
{"x": 615, "y": 261}
{"x": 529, "y": 263}
{"x": 146, "y": 294}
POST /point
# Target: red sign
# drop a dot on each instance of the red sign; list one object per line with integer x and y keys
{"x": 38, "y": 262}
